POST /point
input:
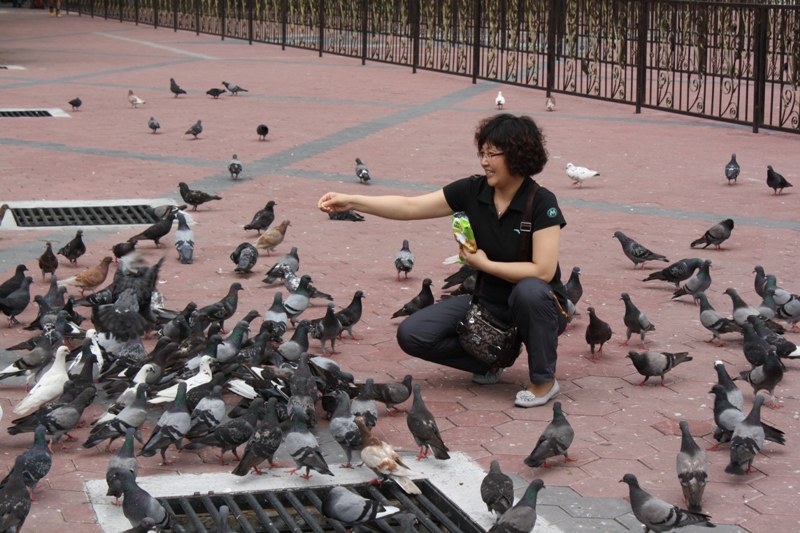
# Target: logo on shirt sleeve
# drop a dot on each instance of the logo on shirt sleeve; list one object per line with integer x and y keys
{"x": 552, "y": 212}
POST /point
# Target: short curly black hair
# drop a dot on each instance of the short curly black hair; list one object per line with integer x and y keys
{"x": 520, "y": 140}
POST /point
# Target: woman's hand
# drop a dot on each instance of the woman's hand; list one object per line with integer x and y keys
{"x": 476, "y": 260}
{"x": 334, "y": 202}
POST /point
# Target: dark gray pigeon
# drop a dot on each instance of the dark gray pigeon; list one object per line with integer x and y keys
{"x": 755, "y": 348}
{"x": 700, "y": 282}
{"x": 184, "y": 241}
{"x": 48, "y": 262}
{"x": 232, "y": 433}
{"x": 15, "y": 500}
{"x": 195, "y": 130}
{"x": 362, "y": 171}
{"x": 522, "y": 517}
{"x": 74, "y": 248}
{"x": 233, "y": 88}
{"x": 716, "y": 235}
{"x": 783, "y": 347}
{"x": 727, "y": 417}
{"x": 747, "y": 440}
{"x": 657, "y": 515}
{"x": 732, "y": 170}
{"x": 124, "y": 459}
{"x": 760, "y": 282}
{"x": 194, "y": 197}
{"x": 263, "y": 444}
{"x": 75, "y": 103}
{"x": 651, "y": 364}
{"x": 422, "y": 425}
{"x": 14, "y": 282}
{"x": 555, "y": 440}
{"x": 677, "y": 271}
{"x": 765, "y": 377}
{"x": 262, "y": 131}
{"x": 365, "y": 406}
{"x": 350, "y": 315}
{"x": 292, "y": 283}
{"x": 497, "y": 490}
{"x": 144, "y": 526}
{"x": 635, "y": 321}
{"x": 132, "y": 416}
{"x": 350, "y": 508}
{"x": 244, "y": 257}
{"x": 235, "y": 167}
{"x": 420, "y": 301}
{"x": 692, "y": 467}
{"x": 775, "y": 181}
{"x": 573, "y": 286}
{"x": 328, "y": 330}
{"x": 37, "y": 461}
{"x": 16, "y": 302}
{"x": 714, "y": 321}
{"x": 175, "y": 88}
{"x": 404, "y": 260}
{"x": 636, "y": 252}
{"x": 344, "y": 429}
{"x": 215, "y": 92}
{"x": 157, "y": 231}
{"x": 208, "y": 414}
{"x": 597, "y": 332}
{"x": 263, "y": 218}
{"x": 346, "y": 215}
{"x": 303, "y": 447}
{"x": 137, "y": 504}
{"x": 153, "y": 124}
{"x": 732, "y": 392}
{"x": 170, "y": 429}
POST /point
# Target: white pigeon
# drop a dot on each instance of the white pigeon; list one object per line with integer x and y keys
{"x": 500, "y": 101}
{"x": 550, "y": 104}
{"x": 204, "y": 376}
{"x": 579, "y": 174}
{"x": 49, "y": 387}
{"x": 134, "y": 100}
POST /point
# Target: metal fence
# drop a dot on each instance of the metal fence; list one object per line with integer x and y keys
{"x": 735, "y": 62}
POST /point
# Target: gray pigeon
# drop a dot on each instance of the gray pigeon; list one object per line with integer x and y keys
{"x": 175, "y": 88}
{"x": 747, "y": 440}
{"x": 184, "y": 241}
{"x": 60, "y": 421}
{"x": 423, "y": 427}
{"x": 263, "y": 444}
{"x": 132, "y": 416}
{"x": 635, "y": 321}
{"x": 244, "y": 257}
{"x": 144, "y": 526}
{"x": 732, "y": 170}
{"x": 700, "y": 282}
{"x": 788, "y": 305}
{"x": 760, "y": 281}
{"x": 677, "y": 271}
{"x": 765, "y": 377}
{"x": 727, "y": 417}
{"x": 344, "y": 429}
{"x": 195, "y": 130}
{"x": 636, "y": 252}
{"x": 124, "y": 459}
{"x": 497, "y": 490}
{"x": 775, "y": 181}
{"x": 16, "y": 302}
{"x": 292, "y": 283}
{"x": 294, "y": 347}
{"x": 233, "y": 88}
{"x": 172, "y": 426}
{"x": 651, "y": 364}
{"x": 597, "y": 332}
{"x": 297, "y": 302}
{"x": 276, "y": 313}
{"x": 692, "y": 467}
{"x": 328, "y": 329}
{"x": 153, "y": 124}
{"x": 303, "y": 447}
{"x": 207, "y": 414}
{"x": 732, "y": 392}
{"x": 231, "y": 434}
{"x": 714, "y": 321}
{"x": 37, "y": 462}
{"x": 783, "y": 347}
{"x": 657, "y": 515}
{"x": 365, "y": 406}
{"x": 554, "y": 441}
{"x": 350, "y": 508}
{"x": 235, "y": 167}
{"x": 15, "y": 500}
{"x": 393, "y": 393}
{"x": 137, "y": 504}
{"x": 290, "y": 260}
{"x": 716, "y": 235}
{"x": 404, "y": 260}
{"x": 522, "y": 517}
{"x": 32, "y": 363}
{"x": 362, "y": 171}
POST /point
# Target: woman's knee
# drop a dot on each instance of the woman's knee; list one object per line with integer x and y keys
{"x": 531, "y": 292}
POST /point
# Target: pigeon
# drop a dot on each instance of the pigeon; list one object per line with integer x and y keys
{"x": 172, "y": 426}
{"x": 297, "y": 302}
{"x": 184, "y": 241}
{"x": 153, "y": 125}
{"x": 346, "y": 215}
{"x": 235, "y": 167}
{"x": 294, "y": 347}
{"x": 580, "y": 174}
{"x": 15, "y": 500}
{"x": 14, "y": 282}
{"x": 497, "y": 490}
{"x": 714, "y": 321}
{"x": 16, "y": 302}
{"x": 350, "y": 315}
{"x": 597, "y": 332}
{"x": 134, "y": 100}
{"x": 157, "y": 231}
{"x": 499, "y": 101}
{"x": 75, "y": 103}
{"x": 328, "y": 329}
{"x": 776, "y": 181}
{"x": 404, "y": 260}
{"x": 303, "y": 447}
{"x": 292, "y": 283}
{"x": 657, "y": 515}
{"x": 207, "y": 414}
{"x": 754, "y": 347}
{"x": 61, "y": 420}
{"x": 788, "y": 305}
{"x": 49, "y": 387}
{"x": 146, "y": 525}
{"x": 244, "y": 257}
{"x": 381, "y": 458}
{"x": 233, "y": 88}
{"x": 204, "y": 375}
{"x": 263, "y": 444}
{"x": 124, "y": 459}
{"x": 765, "y": 377}
{"x": 550, "y": 103}
{"x": 263, "y": 218}
{"x": 522, "y": 517}
{"x": 32, "y": 363}
{"x": 195, "y": 130}
{"x": 747, "y": 440}
{"x": 124, "y": 248}
{"x": 716, "y": 235}
{"x": 344, "y": 429}
{"x": 420, "y": 301}
{"x": 573, "y": 286}
{"x": 692, "y": 467}
{"x": 232, "y": 433}
{"x": 195, "y": 198}
{"x": 741, "y": 311}
{"x": 732, "y": 392}
{"x": 365, "y": 406}
{"x": 362, "y": 172}
{"x": 48, "y": 262}
{"x": 554, "y": 441}
{"x": 656, "y": 363}
{"x": 138, "y": 504}
{"x": 37, "y": 462}
{"x": 783, "y": 347}
{"x": 700, "y": 282}
{"x": 392, "y": 393}
{"x": 132, "y": 416}
{"x": 732, "y": 170}
{"x": 91, "y": 278}
{"x": 635, "y": 321}
{"x": 350, "y": 508}
{"x": 727, "y": 417}
{"x": 677, "y": 271}
{"x": 276, "y": 313}
{"x": 262, "y": 131}
{"x": 290, "y": 260}
{"x": 423, "y": 427}
{"x": 175, "y": 88}
{"x": 272, "y": 237}
{"x": 74, "y": 248}
{"x": 636, "y": 252}
{"x": 215, "y": 92}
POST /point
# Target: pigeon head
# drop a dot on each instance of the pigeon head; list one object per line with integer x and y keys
{"x": 625, "y": 296}
{"x": 630, "y": 480}
{"x": 632, "y": 354}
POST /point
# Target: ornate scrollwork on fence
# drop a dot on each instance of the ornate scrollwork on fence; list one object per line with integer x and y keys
{"x": 343, "y": 27}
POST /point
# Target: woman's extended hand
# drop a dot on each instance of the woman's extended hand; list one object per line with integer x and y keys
{"x": 476, "y": 260}
{"x": 334, "y": 202}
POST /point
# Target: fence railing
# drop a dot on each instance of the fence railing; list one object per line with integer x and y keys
{"x": 735, "y": 62}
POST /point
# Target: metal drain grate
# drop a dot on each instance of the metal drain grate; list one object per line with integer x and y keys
{"x": 26, "y": 113}
{"x": 298, "y": 511}
{"x": 36, "y": 217}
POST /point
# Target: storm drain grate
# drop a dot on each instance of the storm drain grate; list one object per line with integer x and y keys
{"x": 26, "y": 113}
{"x": 295, "y": 511}
{"x": 107, "y": 215}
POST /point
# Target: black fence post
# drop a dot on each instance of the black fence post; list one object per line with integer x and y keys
{"x": 175, "y": 15}
{"x": 250, "y": 9}
{"x": 197, "y": 16}
{"x": 552, "y": 39}
{"x": 364, "y": 17}
{"x": 91, "y": 8}
{"x": 284, "y": 22}
{"x": 415, "y": 14}
{"x": 155, "y": 14}
{"x": 321, "y": 26}
{"x": 222, "y": 17}
{"x": 476, "y": 40}
{"x": 105, "y": 9}
{"x": 760, "y": 60}
{"x": 136, "y": 11}
{"x": 121, "y": 2}
{"x": 641, "y": 55}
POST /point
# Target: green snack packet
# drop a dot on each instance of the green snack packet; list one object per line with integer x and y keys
{"x": 463, "y": 232}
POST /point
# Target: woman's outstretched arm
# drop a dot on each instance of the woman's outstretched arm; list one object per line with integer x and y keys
{"x": 430, "y": 205}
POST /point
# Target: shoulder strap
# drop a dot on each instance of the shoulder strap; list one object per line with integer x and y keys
{"x": 526, "y": 227}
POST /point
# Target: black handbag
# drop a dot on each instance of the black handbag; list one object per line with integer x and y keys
{"x": 482, "y": 335}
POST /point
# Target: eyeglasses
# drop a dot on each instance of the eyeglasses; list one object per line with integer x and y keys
{"x": 489, "y": 155}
